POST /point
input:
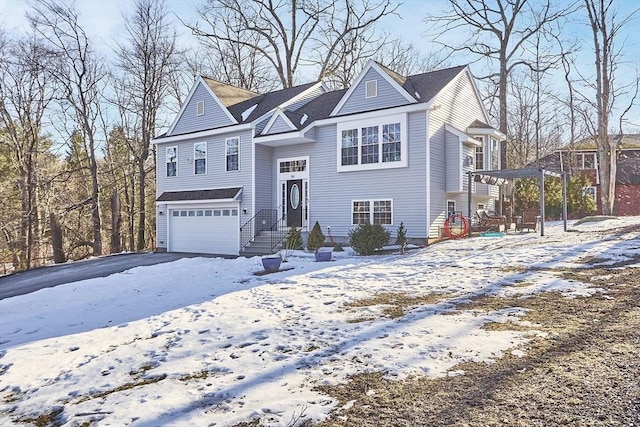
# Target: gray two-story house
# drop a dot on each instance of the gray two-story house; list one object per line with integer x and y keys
{"x": 388, "y": 149}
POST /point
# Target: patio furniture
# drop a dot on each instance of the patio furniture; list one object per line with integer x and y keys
{"x": 529, "y": 220}
{"x": 490, "y": 220}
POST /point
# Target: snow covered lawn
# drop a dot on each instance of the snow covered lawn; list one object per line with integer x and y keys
{"x": 204, "y": 341}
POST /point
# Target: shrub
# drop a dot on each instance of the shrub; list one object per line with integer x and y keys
{"x": 293, "y": 240}
{"x": 401, "y": 239}
{"x": 316, "y": 238}
{"x": 367, "y": 238}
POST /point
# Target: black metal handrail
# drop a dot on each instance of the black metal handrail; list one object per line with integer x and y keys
{"x": 263, "y": 220}
{"x": 279, "y": 230}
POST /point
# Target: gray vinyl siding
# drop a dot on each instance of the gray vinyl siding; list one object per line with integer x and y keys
{"x": 331, "y": 193}
{"x": 214, "y": 116}
{"x": 161, "y": 226}
{"x": 260, "y": 126}
{"x": 265, "y": 169}
{"x": 458, "y": 106}
{"x": 453, "y": 158}
{"x": 280, "y": 125}
{"x": 387, "y": 97}
{"x": 216, "y": 176}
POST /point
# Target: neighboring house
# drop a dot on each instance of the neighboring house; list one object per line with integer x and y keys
{"x": 388, "y": 149}
{"x": 582, "y": 157}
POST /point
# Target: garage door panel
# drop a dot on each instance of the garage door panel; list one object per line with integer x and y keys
{"x": 204, "y": 230}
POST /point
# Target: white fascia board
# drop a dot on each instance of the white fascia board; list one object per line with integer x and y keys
{"x": 202, "y": 134}
{"x": 184, "y": 105}
{"x": 368, "y": 115}
{"x": 486, "y": 131}
{"x": 463, "y": 137}
{"x": 371, "y": 64}
{"x": 190, "y": 95}
{"x": 487, "y": 119}
{"x": 274, "y": 117}
{"x": 215, "y": 97}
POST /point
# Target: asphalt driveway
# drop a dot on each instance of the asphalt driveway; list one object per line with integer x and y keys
{"x": 28, "y": 281}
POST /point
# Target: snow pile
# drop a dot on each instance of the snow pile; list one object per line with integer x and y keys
{"x": 204, "y": 341}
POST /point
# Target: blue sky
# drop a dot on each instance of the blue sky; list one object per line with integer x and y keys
{"x": 103, "y": 22}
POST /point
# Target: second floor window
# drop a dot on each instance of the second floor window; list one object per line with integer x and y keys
{"x": 495, "y": 154}
{"x": 172, "y": 161}
{"x": 232, "y": 147}
{"x": 200, "y": 158}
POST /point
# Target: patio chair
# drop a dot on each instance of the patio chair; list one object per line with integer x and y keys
{"x": 529, "y": 220}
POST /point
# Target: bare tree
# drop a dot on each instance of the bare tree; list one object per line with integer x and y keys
{"x": 606, "y": 26}
{"x": 80, "y": 78}
{"x": 287, "y": 34}
{"x": 498, "y": 31}
{"x": 145, "y": 62}
{"x": 25, "y": 94}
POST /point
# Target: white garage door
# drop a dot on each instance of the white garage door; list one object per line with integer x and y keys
{"x": 204, "y": 230}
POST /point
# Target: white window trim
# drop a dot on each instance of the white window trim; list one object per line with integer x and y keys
{"x": 166, "y": 161}
{"x": 226, "y": 154}
{"x": 379, "y": 121}
{"x": 200, "y": 108}
{"x": 454, "y": 206}
{"x": 374, "y": 87}
{"x": 371, "y": 211}
{"x": 595, "y": 192}
{"x": 581, "y": 155}
{"x": 205, "y": 158}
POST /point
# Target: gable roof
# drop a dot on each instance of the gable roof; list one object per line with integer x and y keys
{"x": 266, "y": 102}
{"x": 428, "y": 85}
{"x": 228, "y": 94}
{"x": 391, "y": 77}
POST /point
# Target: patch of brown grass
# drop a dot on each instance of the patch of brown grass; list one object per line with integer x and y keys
{"x": 584, "y": 373}
{"x": 397, "y": 303}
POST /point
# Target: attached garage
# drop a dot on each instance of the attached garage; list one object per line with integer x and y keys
{"x": 209, "y": 224}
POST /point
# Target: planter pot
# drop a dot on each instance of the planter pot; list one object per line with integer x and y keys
{"x": 323, "y": 256}
{"x": 271, "y": 263}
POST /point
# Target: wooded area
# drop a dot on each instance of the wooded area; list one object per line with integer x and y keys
{"x": 76, "y": 161}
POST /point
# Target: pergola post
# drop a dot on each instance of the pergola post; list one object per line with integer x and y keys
{"x": 564, "y": 200}
{"x": 542, "y": 201}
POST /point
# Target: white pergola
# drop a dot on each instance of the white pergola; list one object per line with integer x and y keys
{"x": 501, "y": 177}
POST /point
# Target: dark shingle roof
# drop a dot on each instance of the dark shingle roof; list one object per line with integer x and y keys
{"x": 427, "y": 85}
{"x": 214, "y": 194}
{"x": 266, "y": 102}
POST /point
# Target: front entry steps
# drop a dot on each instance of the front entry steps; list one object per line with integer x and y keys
{"x": 260, "y": 246}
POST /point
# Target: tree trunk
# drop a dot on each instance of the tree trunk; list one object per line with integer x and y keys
{"x": 56, "y": 239}
{"x": 116, "y": 223}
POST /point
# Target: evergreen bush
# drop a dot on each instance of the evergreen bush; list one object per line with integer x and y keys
{"x": 401, "y": 239}
{"x": 293, "y": 241}
{"x": 366, "y": 238}
{"x": 316, "y": 238}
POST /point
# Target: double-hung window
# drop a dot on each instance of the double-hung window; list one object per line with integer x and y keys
{"x": 200, "y": 158}
{"x": 372, "y": 212}
{"x": 172, "y": 161}
{"x": 232, "y": 150}
{"x": 495, "y": 154}
{"x": 372, "y": 144}
{"x": 585, "y": 160}
{"x": 349, "y": 152}
{"x": 480, "y": 158}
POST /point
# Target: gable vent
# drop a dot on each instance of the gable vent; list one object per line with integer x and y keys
{"x": 372, "y": 89}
